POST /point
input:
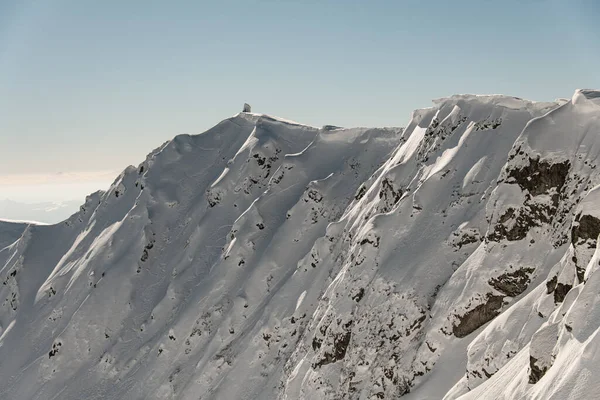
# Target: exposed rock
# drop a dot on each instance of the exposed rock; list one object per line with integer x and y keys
{"x": 478, "y": 316}
{"x": 55, "y": 349}
{"x": 538, "y": 177}
{"x": 360, "y": 192}
{"x": 340, "y": 345}
{"x": 436, "y": 134}
{"x": 535, "y": 372}
{"x": 486, "y": 124}
{"x": 213, "y": 197}
{"x": 513, "y": 225}
{"x": 584, "y": 235}
{"x": 358, "y": 295}
{"x": 389, "y": 196}
{"x": 541, "y": 351}
{"x": 551, "y": 284}
{"x": 560, "y": 289}
{"x": 586, "y": 228}
{"x": 512, "y": 283}
{"x": 561, "y": 292}
{"x": 464, "y": 237}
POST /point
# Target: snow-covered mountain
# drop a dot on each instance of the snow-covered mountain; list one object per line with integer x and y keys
{"x": 10, "y": 231}
{"x": 265, "y": 259}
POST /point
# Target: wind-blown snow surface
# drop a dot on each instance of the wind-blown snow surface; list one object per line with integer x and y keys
{"x": 267, "y": 259}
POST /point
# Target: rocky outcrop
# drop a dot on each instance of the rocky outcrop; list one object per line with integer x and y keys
{"x": 584, "y": 238}
{"x": 536, "y": 372}
{"x": 512, "y": 283}
{"x": 478, "y": 316}
{"x": 540, "y": 180}
{"x": 541, "y": 355}
{"x": 540, "y": 176}
{"x": 340, "y": 345}
{"x": 389, "y": 196}
{"x": 586, "y": 228}
{"x": 512, "y": 225}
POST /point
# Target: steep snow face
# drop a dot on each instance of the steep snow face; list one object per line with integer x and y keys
{"x": 169, "y": 285}
{"x": 268, "y": 259}
{"x": 407, "y": 257}
{"x": 544, "y": 346}
{"x": 10, "y": 231}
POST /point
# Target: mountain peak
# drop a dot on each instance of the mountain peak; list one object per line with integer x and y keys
{"x": 264, "y": 258}
{"x": 589, "y": 96}
{"x": 500, "y": 100}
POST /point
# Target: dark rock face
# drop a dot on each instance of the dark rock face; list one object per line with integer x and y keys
{"x": 551, "y": 284}
{"x": 486, "y": 124}
{"x": 535, "y": 372}
{"x": 437, "y": 132}
{"x": 55, "y": 348}
{"x": 464, "y": 237}
{"x": 587, "y": 228}
{"x": 519, "y": 228}
{"x": 340, "y": 345}
{"x": 360, "y": 192}
{"x": 389, "y": 195}
{"x": 561, "y": 292}
{"x": 584, "y": 237}
{"x": 512, "y": 283}
{"x": 478, "y": 316}
{"x": 540, "y": 176}
{"x": 514, "y": 224}
{"x": 537, "y": 178}
{"x": 213, "y": 197}
{"x": 559, "y": 289}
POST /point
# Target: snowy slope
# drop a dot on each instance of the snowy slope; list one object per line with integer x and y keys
{"x": 10, "y": 231}
{"x": 264, "y": 258}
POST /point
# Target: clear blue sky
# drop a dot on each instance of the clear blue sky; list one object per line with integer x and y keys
{"x": 95, "y": 85}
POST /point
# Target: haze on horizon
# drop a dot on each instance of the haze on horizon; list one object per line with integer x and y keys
{"x": 91, "y": 88}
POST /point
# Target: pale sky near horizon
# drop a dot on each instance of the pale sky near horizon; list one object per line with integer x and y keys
{"x": 89, "y": 87}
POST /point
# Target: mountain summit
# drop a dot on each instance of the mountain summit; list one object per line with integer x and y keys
{"x": 266, "y": 259}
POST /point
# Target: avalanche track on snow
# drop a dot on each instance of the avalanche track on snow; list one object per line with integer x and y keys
{"x": 265, "y": 259}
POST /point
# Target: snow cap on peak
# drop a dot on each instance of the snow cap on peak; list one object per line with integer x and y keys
{"x": 586, "y": 95}
{"x": 496, "y": 99}
{"x": 259, "y": 119}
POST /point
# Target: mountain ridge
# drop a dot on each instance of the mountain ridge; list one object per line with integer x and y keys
{"x": 269, "y": 259}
